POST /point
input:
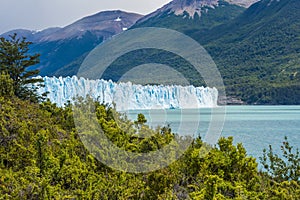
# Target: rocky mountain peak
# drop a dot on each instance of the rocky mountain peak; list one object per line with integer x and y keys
{"x": 196, "y": 6}
{"x": 193, "y": 7}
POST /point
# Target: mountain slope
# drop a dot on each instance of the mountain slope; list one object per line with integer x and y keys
{"x": 189, "y": 16}
{"x": 257, "y": 51}
{"x": 61, "y": 46}
{"x": 104, "y": 24}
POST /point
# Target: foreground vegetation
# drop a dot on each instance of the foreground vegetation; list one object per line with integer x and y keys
{"x": 42, "y": 156}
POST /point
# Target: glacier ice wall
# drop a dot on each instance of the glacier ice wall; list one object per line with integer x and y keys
{"x": 128, "y": 96}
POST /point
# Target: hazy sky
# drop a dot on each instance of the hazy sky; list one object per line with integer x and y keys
{"x": 40, "y": 14}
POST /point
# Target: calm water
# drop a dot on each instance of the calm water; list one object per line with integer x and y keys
{"x": 254, "y": 126}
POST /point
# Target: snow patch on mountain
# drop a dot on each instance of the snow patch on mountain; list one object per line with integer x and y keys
{"x": 118, "y": 19}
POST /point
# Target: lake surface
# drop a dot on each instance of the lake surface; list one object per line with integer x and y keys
{"x": 256, "y": 127}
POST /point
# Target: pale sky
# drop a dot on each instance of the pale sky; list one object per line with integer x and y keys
{"x": 41, "y": 14}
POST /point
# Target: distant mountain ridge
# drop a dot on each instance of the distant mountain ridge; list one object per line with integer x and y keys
{"x": 63, "y": 48}
{"x": 255, "y": 44}
{"x": 193, "y": 7}
{"x": 191, "y": 16}
{"x": 33, "y": 36}
{"x": 103, "y": 24}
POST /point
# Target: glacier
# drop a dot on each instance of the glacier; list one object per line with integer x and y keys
{"x": 128, "y": 96}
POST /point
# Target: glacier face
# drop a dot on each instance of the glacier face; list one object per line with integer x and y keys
{"x": 128, "y": 96}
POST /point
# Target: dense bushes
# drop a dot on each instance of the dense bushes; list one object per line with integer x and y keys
{"x": 42, "y": 157}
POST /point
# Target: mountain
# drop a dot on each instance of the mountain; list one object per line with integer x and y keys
{"x": 256, "y": 49}
{"x": 33, "y": 36}
{"x": 60, "y": 47}
{"x": 190, "y": 8}
{"x": 258, "y": 52}
{"x": 104, "y": 24}
{"x": 255, "y": 44}
{"x": 190, "y": 16}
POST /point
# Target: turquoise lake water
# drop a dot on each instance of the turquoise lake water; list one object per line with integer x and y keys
{"x": 255, "y": 126}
